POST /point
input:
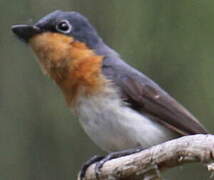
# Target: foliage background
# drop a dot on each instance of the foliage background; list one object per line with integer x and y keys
{"x": 171, "y": 41}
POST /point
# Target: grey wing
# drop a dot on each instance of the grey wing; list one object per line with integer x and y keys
{"x": 154, "y": 101}
{"x": 145, "y": 95}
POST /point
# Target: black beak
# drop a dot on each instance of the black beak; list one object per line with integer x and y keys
{"x": 25, "y": 32}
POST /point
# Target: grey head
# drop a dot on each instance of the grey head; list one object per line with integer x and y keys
{"x": 69, "y": 23}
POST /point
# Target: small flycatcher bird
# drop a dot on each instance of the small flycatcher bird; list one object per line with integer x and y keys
{"x": 118, "y": 106}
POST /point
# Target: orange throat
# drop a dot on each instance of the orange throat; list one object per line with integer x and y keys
{"x": 72, "y": 65}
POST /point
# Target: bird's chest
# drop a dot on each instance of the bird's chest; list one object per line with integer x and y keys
{"x": 100, "y": 118}
{"x": 114, "y": 126}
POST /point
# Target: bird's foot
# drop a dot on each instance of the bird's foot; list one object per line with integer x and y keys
{"x": 114, "y": 155}
{"x": 101, "y": 160}
{"x": 89, "y": 162}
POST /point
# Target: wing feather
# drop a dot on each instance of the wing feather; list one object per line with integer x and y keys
{"x": 155, "y": 101}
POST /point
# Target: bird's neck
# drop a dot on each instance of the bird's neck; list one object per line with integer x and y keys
{"x": 73, "y": 66}
{"x": 83, "y": 78}
{"x": 82, "y": 74}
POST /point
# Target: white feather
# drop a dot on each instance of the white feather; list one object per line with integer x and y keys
{"x": 114, "y": 126}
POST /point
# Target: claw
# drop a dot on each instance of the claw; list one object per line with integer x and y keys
{"x": 100, "y": 161}
{"x": 87, "y": 164}
{"x": 113, "y": 155}
{"x": 99, "y": 165}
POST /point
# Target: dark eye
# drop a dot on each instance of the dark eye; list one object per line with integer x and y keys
{"x": 64, "y": 26}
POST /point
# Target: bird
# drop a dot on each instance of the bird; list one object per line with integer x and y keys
{"x": 119, "y": 107}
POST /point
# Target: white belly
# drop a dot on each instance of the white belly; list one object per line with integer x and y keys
{"x": 114, "y": 126}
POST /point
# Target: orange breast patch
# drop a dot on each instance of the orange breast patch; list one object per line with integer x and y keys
{"x": 73, "y": 66}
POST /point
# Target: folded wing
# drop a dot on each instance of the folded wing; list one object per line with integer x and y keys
{"x": 154, "y": 101}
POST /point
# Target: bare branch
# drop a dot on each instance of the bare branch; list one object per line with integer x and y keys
{"x": 147, "y": 164}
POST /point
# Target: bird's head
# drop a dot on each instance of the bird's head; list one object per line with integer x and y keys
{"x": 64, "y": 43}
{"x": 69, "y": 24}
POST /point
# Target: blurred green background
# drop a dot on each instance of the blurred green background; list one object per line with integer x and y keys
{"x": 171, "y": 41}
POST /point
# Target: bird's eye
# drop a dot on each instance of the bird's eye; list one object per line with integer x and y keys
{"x": 64, "y": 27}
